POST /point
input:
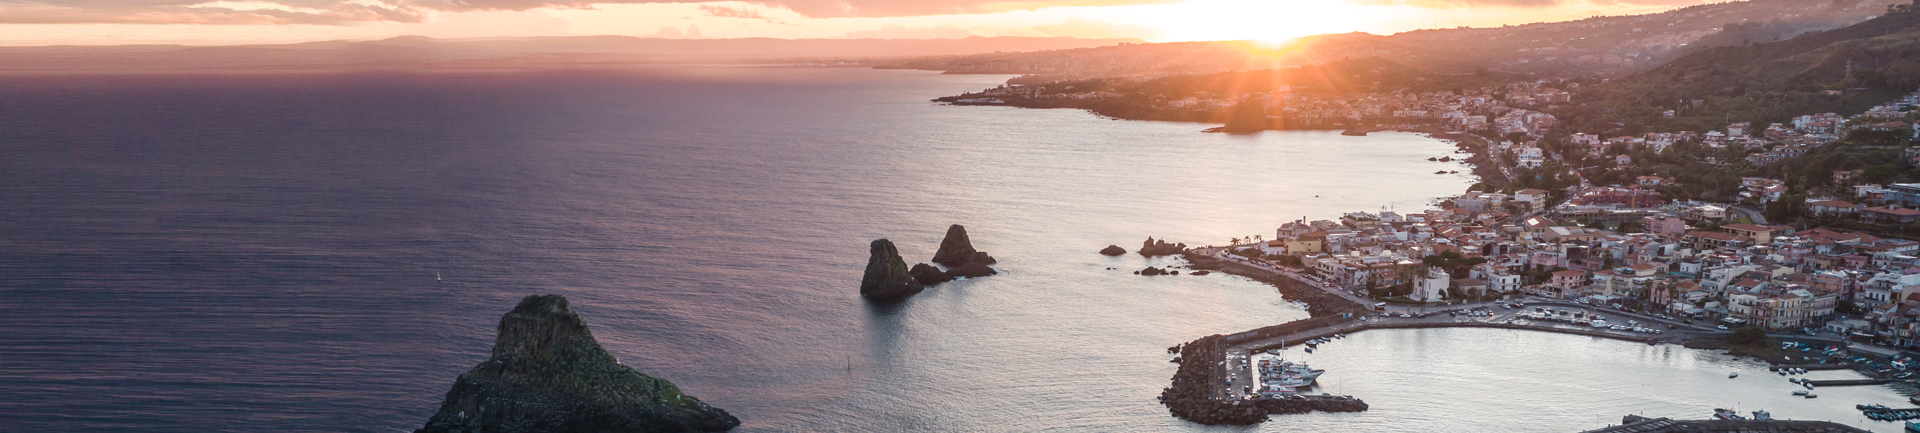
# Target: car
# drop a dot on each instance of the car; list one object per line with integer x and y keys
{"x": 1363, "y": 318}
{"x": 1722, "y": 327}
{"x": 1405, "y": 315}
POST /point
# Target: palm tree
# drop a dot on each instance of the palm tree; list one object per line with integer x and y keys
{"x": 1234, "y": 241}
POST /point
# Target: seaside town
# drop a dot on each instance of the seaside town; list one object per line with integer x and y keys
{"x": 1628, "y": 244}
{"x": 1827, "y": 270}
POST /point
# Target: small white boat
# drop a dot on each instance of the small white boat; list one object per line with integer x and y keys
{"x": 1733, "y": 375}
{"x": 1800, "y": 392}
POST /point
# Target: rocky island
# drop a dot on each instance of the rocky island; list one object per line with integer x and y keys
{"x": 1153, "y": 247}
{"x": 887, "y": 275}
{"x": 548, "y": 374}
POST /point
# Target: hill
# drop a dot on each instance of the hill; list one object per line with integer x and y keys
{"x": 1843, "y": 70}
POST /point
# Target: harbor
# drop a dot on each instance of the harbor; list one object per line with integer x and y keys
{"x": 1267, "y": 363}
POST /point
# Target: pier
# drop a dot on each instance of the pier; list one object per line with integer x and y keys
{"x": 1848, "y": 382}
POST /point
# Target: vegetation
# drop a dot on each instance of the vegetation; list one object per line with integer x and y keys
{"x": 1842, "y": 70}
{"x": 1751, "y": 337}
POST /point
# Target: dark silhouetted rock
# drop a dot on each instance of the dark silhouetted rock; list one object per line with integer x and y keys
{"x": 887, "y": 275}
{"x": 1151, "y": 271}
{"x": 1152, "y": 248}
{"x": 1113, "y": 250}
{"x": 928, "y": 275}
{"x": 548, "y": 374}
{"x": 956, "y": 249}
{"x": 981, "y": 257}
{"x": 971, "y": 270}
{"x": 1199, "y": 273}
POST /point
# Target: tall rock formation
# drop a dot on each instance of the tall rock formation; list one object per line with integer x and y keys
{"x": 548, "y": 374}
{"x": 956, "y": 249}
{"x": 887, "y": 275}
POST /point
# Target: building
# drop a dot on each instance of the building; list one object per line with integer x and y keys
{"x": 1429, "y": 286}
{"x": 1891, "y": 214}
{"x": 1833, "y": 207}
{"x": 1706, "y": 240}
{"x": 1760, "y": 235}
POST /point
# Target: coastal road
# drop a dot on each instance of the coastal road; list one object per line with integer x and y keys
{"x": 1345, "y": 293}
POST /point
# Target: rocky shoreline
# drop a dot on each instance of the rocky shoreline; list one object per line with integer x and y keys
{"x": 1319, "y": 302}
{"x": 1190, "y": 398}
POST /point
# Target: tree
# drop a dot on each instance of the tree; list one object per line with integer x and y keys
{"x": 1751, "y": 336}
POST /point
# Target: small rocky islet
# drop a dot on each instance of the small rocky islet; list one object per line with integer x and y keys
{"x": 889, "y": 277}
{"x": 548, "y": 374}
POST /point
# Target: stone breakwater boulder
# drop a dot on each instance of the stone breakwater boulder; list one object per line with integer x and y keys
{"x": 957, "y": 249}
{"x": 548, "y": 374}
{"x": 887, "y": 275}
{"x": 928, "y": 275}
{"x": 1161, "y": 248}
{"x": 1113, "y": 250}
{"x": 1191, "y": 396}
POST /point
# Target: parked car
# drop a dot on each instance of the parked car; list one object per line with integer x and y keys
{"x": 1722, "y": 327}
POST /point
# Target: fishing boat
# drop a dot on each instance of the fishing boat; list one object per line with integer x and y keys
{"x": 1726, "y": 414}
{"x": 1733, "y": 375}
{"x": 1913, "y": 427}
{"x": 1812, "y": 395}
{"x": 1800, "y": 392}
{"x": 1762, "y": 415}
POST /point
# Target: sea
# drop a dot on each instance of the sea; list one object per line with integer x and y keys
{"x": 327, "y": 252}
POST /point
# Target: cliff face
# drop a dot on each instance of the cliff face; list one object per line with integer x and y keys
{"x": 548, "y": 374}
{"x": 887, "y": 275}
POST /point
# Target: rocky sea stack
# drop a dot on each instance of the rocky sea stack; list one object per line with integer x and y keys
{"x": 1113, "y": 250}
{"x": 928, "y": 275}
{"x": 887, "y": 275}
{"x": 957, "y": 250}
{"x": 548, "y": 374}
{"x": 1152, "y": 248}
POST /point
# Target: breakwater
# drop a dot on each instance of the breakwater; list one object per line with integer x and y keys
{"x": 1195, "y": 397}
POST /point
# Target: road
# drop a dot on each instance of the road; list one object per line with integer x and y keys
{"x": 1751, "y": 214}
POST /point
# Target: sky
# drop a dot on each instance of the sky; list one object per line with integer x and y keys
{"x": 225, "y": 22}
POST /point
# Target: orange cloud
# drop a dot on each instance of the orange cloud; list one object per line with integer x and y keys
{"x": 335, "y": 12}
{"x": 1092, "y": 29}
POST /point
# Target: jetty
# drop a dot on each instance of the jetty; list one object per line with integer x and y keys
{"x": 1847, "y": 382}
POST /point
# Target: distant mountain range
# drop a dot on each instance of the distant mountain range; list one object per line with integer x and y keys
{"x": 1606, "y": 45}
{"x": 415, "y": 52}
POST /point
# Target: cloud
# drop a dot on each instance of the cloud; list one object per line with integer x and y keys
{"x": 1454, "y": 4}
{"x": 341, "y": 12}
{"x": 896, "y": 31}
{"x": 727, "y": 12}
{"x": 325, "y": 12}
{"x": 1091, "y": 29}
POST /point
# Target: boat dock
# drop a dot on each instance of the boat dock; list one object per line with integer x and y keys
{"x": 1810, "y": 367}
{"x": 1847, "y": 382}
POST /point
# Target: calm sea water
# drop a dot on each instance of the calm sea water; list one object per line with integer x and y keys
{"x": 191, "y": 254}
